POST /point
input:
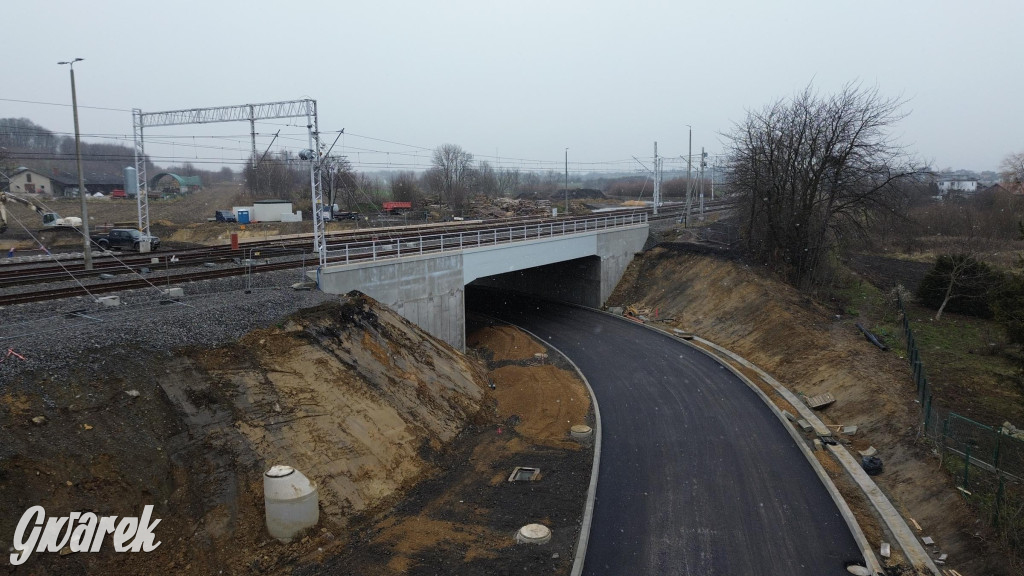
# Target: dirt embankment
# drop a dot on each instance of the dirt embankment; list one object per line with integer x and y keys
{"x": 357, "y": 398}
{"x": 463, "y": 520}
{"x": 811, "y": 351}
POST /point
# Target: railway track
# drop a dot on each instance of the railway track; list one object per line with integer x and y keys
{"x": 298, "y": 248}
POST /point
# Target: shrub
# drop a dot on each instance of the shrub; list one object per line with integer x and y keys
{"x": 973, "y": 283}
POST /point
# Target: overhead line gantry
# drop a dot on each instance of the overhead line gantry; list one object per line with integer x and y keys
{"x": 251, "y": 112}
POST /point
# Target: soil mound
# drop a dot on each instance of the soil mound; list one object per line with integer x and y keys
{"x": 357, "y": 398}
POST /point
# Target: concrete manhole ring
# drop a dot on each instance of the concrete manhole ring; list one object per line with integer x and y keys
{"x": 533, "y": 534}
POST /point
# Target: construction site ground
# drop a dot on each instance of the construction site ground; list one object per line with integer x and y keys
{"x": 422, "y": 490}
{"x": 408, "y": 444}
{"x": 464, "y": 520}
{"x": 815, "y": 349}
{"x": 183, "y": 222}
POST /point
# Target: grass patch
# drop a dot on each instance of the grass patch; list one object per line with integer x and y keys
{"x": 971, "y": 369}
{"x": 969, "y": 366}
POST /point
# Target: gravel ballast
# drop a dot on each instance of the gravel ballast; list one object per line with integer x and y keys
{"x": 78, "y": 335}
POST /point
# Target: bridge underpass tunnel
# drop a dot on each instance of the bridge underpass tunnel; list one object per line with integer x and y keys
{"x": 575, "y": 281}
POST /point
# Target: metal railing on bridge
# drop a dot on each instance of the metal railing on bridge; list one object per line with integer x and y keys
{"x": 397, "y": 245}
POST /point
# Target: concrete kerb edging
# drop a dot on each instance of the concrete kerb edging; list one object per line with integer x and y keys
{"x": 909, "y": 544}
{"x": 588, "y": 510}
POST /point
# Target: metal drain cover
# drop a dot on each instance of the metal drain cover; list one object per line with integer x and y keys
{"x": 524, "y": 474}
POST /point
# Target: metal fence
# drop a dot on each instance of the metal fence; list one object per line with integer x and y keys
{"x": 986, "y": 463}
{"x": 396, "y": 246}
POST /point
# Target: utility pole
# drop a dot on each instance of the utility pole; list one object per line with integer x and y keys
{"x": 657, "y": 181}
{"x": 713, "y": 179}
{"x": 566, "y": 181}
{"x": 703, "y": 163}
{"x": 689, "y": 169}
{"x": 86, "y": 246}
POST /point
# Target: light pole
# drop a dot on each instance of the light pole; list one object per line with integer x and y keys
{"x": 689, "y": 177}
{"x": 566, "y": 181}
{"x": 86, "y": 247}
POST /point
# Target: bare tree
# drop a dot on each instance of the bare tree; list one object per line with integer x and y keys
{"x": 961, "y": 283}
{"x": 338, "y": 178}
{"x": 1012, "y": 168}
{"x": 405, "y": 187}
{"x": 508, "y": 181}
{"x": 486, "y": 179}
{"x": 452, "y": 174}
{"x": 812, "y": 169}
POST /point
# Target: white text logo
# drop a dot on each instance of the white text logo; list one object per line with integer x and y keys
{"x": 81, "y": 533}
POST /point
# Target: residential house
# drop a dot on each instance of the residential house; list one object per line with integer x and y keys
{"x": 960, "y": 187}
{"x": 27, "y": 181}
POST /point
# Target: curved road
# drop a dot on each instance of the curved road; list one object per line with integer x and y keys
{"x": 697, "y": 476}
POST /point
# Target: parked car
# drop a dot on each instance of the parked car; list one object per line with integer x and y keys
{"x": 225, "y": 216}
{"x": 125, "y": 239}
{"x": 119, "y": 194}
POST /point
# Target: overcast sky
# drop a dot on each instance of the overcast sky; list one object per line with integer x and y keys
{"x": 516, "y": 80}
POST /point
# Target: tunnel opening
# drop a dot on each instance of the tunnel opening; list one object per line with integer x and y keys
{"x": 575, "y": 281}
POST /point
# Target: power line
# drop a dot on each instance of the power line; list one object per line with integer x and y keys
{"x": 64, "y": 105}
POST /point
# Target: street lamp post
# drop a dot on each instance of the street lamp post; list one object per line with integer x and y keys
{"x": 689, "y": 177}
{"x": 566, "y": 181}
{"x": 86, "y": 247}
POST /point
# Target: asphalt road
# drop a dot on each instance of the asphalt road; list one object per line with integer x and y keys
{"x": 697, "y": 476}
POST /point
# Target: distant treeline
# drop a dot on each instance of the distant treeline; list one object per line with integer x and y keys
{"x": 24, "y": 143}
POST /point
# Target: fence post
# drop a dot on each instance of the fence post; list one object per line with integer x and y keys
{"x": 945, "y": 433}
{"x": 999, "y": 502}
{"x": 967, "y": 465}
{"x": 928, "y": 413}
{"x": 995, "y": 457}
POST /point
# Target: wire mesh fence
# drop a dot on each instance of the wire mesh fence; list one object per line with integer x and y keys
{"x": 986, "y": 462}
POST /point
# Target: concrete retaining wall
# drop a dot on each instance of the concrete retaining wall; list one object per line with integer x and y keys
{"x": 427, "y": 290}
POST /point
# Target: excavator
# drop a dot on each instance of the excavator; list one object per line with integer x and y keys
{"x": 50, "y": 219}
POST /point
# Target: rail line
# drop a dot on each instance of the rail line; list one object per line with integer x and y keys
{"x": 378, "y": 242}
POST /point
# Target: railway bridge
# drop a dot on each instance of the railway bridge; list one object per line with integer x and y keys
{"x": 423, "y": 276}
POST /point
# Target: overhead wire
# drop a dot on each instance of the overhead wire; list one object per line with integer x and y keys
{"x": 81, "y": 233}
{"x": 415, "y": 160}
{"x": 47, "y": 250}
{"x": 64, "y": 105}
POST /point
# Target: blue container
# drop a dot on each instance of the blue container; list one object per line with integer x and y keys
{"x": 243, "y": 216}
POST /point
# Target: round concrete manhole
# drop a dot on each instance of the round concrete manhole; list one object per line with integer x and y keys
{"x": 581, "y": 432}
{"x": 533, "y": 534}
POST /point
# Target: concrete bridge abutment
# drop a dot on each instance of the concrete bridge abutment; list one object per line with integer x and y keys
{"x": 429, "y": 289}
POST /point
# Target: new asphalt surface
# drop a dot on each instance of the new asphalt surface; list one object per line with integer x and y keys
{"x": 697, "y": 475}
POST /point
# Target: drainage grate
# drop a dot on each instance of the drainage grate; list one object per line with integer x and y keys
{"x": 524, "y": 474}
